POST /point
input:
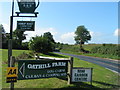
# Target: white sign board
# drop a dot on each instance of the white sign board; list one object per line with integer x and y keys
{"x": 81, "y": 74}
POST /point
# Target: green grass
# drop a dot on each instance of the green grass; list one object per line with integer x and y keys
{"x": 93, "y": 55}
{"x": 74, "y": 49}
{"x": 5, "y": 63}
{"x": 100, "y": 74}
{"x": 102, "y": 78}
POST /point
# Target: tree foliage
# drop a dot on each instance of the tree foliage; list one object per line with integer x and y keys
{"x": 49, "y": 36}
{"x": 19, "y": 36}
{"x": 41, "y": 44}
{"x": 82, "y": 35}
{"x": 2, "y": 31}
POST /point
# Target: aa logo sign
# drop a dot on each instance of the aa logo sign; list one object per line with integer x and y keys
{"x": 11, "y": 74}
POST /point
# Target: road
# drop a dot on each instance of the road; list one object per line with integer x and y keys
{"x": 113, "y": 65}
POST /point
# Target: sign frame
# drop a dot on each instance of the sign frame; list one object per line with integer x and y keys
{"x": 26, "y": 25}
{"x": 25, "y": 67}
{"x": 81, "y": 68}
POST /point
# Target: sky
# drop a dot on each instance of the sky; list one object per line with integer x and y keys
{"x": 62, "y": 19}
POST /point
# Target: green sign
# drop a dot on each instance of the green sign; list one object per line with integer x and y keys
{"x": 35, "y": 69}
{"x": 26, "y": 25}
{"x": 27, "y": 6}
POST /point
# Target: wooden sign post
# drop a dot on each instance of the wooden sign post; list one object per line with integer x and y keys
{"x": 70, "y": 66}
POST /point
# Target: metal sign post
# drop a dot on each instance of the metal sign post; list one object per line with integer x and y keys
{"x": 10, "y": 40}
{"x": 25, "y": 11}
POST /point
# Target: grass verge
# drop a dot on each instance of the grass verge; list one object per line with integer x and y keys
{"x": 102, "y": 78}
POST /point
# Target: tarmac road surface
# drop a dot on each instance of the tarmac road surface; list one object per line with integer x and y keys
{"x": 113, "y": 65}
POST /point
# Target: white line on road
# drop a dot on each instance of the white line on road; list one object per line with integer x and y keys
{"x": 113, "y": 71}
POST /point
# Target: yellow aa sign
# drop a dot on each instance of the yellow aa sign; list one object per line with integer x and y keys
{"x": 12, "y": 72}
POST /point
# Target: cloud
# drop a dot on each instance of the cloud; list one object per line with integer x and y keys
{"x": 95, "y": 34}
{"x": 67, "y": 38}
{"x": 117, "y": 32}
{"x": 51, "y": 30}
{"x": 91, "y": 33}
{"x": 39, "y": 32}
{"x": 96, "y": 37}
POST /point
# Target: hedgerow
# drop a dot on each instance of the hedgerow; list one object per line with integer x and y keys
{"x": 109, "y": 49}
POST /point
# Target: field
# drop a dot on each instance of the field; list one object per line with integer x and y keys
{"x": 102, "y": 78}
{"x": 108, "y": 51}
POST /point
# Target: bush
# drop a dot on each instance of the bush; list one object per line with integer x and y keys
{"x": 41, "y": 44}
{"x": 24, "y": 56}
{"x": 25, "y": 46}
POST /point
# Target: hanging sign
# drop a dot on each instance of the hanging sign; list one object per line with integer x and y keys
{"x": 81, "y": 74}
{"x": 11, "y": 74}
{"x": 35, "y": 69}
{"x": 26, "y": 25}
{"x": 27, "y": 6}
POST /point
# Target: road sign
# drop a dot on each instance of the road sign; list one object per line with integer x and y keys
{"x": 26, "y": 25}
{"x": 35, "y": 69}
{"x": 81, "y": 74}
{"x": 11, "y": 74}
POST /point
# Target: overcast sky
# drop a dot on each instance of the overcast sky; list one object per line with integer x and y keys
{"x": 62, "y": 19}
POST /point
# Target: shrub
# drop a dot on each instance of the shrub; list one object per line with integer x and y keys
{"x": 41, "y": 44}
{"x": 25, "y": 46}
{"x": 24, "y": 56}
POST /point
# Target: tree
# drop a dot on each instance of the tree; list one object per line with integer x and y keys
{"x": 41, "y": 44}
{"x": 2, "y": 31}
{"x": 49, "y": 36}
{"x": 19, "y": 36}
{"x": 3, "y": 38}
{"x": 82, "y": 36}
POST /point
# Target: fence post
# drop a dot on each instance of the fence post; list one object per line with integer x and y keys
{"x": 12, "y": 64}
{"x": 70, "y": 66}
{"x": 37, "y": 57}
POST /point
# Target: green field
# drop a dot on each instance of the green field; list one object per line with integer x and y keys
{"x": 102, "y": 78}
{"x": 74, "y": 49}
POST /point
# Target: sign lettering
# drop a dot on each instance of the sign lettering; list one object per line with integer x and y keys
{"x": 11, "y": 74}
{"x": 26, "y": 25}
{"x": 81, "y": 74}
{"x": 35, "y": 69}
